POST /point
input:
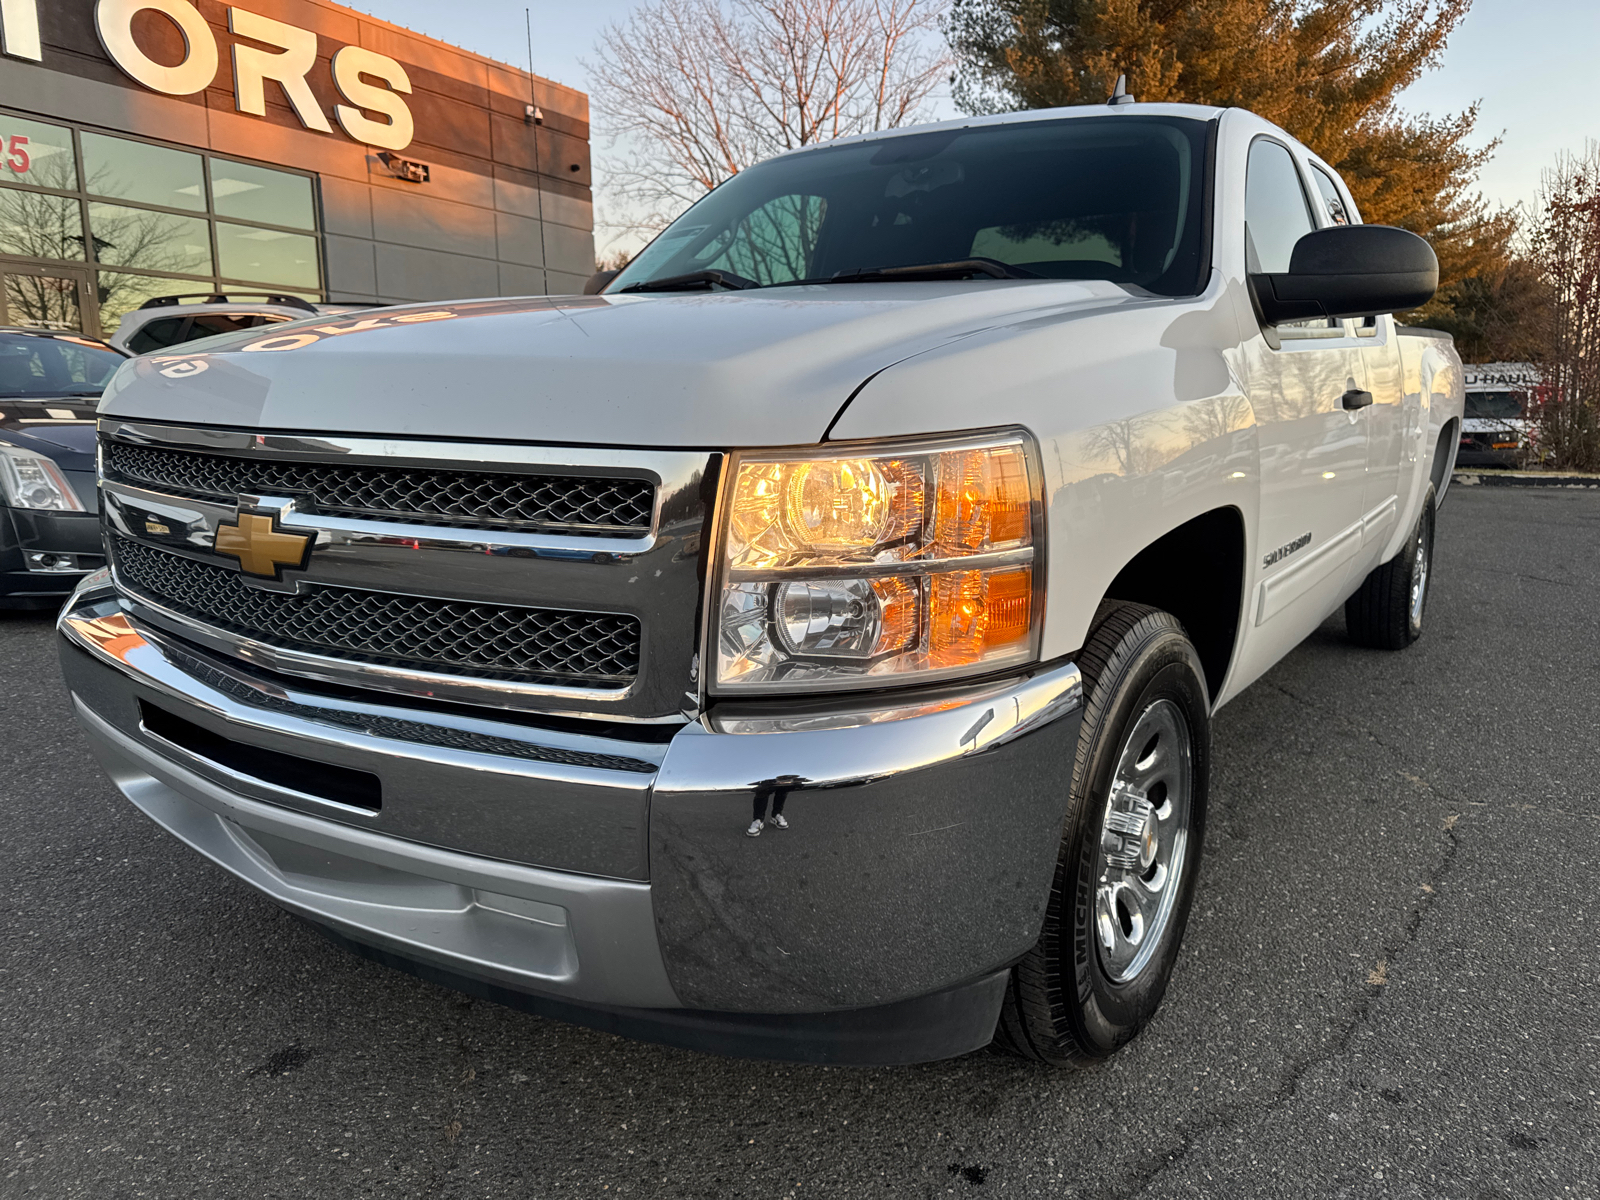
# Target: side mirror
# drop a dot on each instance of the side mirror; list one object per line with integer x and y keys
{"x": 597, "y": 282}
{"x": 1349, "y": 271}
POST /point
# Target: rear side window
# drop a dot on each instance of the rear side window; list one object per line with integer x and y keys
{"x": 207, "y": 324}
{"x": 1329, "y": 191}
{"x": 157, "y": 335}
{"x": 1276, "y": 214}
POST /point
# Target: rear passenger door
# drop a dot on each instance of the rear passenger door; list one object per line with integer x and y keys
{"x": 1313, "y": 449}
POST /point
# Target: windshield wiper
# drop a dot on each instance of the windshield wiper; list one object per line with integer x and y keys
{"x": 961, "y": 268}
{"x": 694, "y": 279}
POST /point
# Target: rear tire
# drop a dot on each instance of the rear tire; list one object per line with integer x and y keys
{"x": 1130, "y": 850}
{"x": 1387, "y": 610}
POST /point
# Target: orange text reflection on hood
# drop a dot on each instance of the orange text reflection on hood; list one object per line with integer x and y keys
{"x": 302, "y": 333}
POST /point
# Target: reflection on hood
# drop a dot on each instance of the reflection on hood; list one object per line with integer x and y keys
{"x": 60, "y": 429}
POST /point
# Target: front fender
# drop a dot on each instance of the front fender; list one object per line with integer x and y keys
{"x": 1142, "y": 421}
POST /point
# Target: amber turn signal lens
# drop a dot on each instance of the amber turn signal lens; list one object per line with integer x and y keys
{"x": 1010, "y": 501}
{"x": 976, "y": 614}
{"x": 1008, "y": 609}
{"x": 982, "y": 502}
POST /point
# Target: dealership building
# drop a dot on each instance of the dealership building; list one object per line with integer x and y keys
{"x": 189, "y": 147}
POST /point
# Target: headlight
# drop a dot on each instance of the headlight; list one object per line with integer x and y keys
{"x": 878, "y": 565}
{"x": 34, "y": 481}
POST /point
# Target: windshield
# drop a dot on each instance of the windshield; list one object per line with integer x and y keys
{"x": 1115, "y": 198}
{"x": 35, "y": 365}
{"x": 1498, "y": 406}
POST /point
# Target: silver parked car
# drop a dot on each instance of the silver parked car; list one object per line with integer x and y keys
{"x": 168, "y": 321}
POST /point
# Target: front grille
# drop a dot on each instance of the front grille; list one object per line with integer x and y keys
{"x": 423, "y": 495}
{"x": 486, "y": 640}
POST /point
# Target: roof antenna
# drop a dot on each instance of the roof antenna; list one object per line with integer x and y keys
{"x": 535, "y": 118}
{"x": 531, "y": 113}
{"x": 1119, "y": 94}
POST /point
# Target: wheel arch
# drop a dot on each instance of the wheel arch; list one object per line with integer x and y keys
{"x": 1196, "y": 572}
{"x": 1444, "y": 459}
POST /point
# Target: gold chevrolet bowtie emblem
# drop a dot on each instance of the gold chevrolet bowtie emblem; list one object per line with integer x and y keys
{"x": 260, "y": 549}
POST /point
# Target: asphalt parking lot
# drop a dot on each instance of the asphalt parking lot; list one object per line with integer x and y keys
{"x": 1388, "y": 986}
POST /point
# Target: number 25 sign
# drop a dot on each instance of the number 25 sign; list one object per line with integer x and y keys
{"x": 15, "y": 150}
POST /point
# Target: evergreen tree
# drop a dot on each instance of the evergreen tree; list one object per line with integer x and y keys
{"x": 1328, "y": 71}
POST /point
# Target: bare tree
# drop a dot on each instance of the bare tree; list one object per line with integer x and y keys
{"x": 1213, "y": 419}
{"x": 1564, "y": 242}
{"x": 694, "y": 91}
{"x": 1129, "y": 444}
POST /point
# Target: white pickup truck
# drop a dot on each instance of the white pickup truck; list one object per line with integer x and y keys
{"x": 807, "y": 647}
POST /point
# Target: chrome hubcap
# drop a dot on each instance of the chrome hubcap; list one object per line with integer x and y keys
{"x": 1144, "y": 834}
{"x": 1419, "y": 577}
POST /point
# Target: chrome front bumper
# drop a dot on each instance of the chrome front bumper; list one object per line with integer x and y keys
{"x": 610, "y": 881}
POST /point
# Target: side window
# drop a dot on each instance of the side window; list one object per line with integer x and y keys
{"x": 76, "y": 367}
{"x": 16, "y": 368}
{"x": 21, "y": 371}
{"x": 1276, "y": 214}
{"x": 1330, "y": 196}
{"x": 774, "y": 244}
{"x": 157, "y": 335}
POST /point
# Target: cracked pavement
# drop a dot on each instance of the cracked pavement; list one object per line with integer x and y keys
{"x": 1387, "y": 988}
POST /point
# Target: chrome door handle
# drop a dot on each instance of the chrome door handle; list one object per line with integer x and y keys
{"x": 1356, "y": 398}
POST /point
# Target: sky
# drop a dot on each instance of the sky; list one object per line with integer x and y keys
{"x": 1532, "y": 64}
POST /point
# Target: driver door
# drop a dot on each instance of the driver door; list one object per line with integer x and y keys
{"x": 1313, "y": 448}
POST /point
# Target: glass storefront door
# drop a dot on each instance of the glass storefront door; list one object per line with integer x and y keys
{"x": 54, "y": 296}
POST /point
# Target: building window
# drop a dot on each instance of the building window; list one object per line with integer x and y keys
{"x": 125, "y": 236}
{"x": 37, "y": 154}
{"x": 139, "y": 173}
{"x": 146, "y": 220}
{"x": 39, "y": 225}
{"x": 269, "y": 255}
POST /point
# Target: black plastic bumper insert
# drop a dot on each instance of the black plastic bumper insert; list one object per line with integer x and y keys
{"x": 342, "y": 785}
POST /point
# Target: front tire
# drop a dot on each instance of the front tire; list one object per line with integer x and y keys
{"x": 1130, "y": 850}
{"x": 1386, "y": 611}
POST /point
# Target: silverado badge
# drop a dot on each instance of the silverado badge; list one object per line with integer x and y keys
{"x": 261, "y": 549}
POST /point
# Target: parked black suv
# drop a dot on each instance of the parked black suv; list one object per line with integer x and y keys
{"x": 50, "y": 382}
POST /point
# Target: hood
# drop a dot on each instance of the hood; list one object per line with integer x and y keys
{"x": 63, "y": 430}
{"x": 766, "y": 368}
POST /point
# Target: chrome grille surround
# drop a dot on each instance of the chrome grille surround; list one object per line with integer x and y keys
{"x": 572, "y": 584}
{"x": 478, "y": 499}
